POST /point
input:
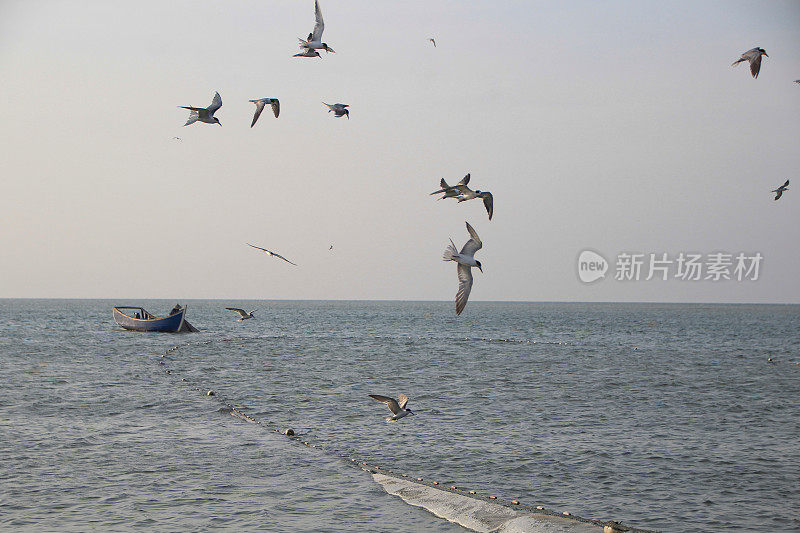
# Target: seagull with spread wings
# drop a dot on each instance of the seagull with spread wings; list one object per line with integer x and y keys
{"x": 261, "y": 103}
{"x": 753, "y": 56}
{"x": 243, "y": 315}
{"x": 398, "y": 408}
{"x": 779, "y": 190}
{"x": 279, "y": 256}
{"x": 314, "y": 41}
{"x": 466, "y": 260}
{"x": 450, "y": 192}
{"x": 204, "y": 114}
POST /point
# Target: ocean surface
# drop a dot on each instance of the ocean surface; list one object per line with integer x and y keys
{"x": 663, "y": 416}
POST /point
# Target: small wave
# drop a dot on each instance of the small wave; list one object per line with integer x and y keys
{"x": 478, "y": 514}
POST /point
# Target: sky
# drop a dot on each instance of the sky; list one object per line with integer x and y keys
{"x": 616, "y": 127}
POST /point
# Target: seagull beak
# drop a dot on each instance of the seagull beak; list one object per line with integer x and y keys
{"x": 481, "y": 269}
{"x": 766, "y": 54}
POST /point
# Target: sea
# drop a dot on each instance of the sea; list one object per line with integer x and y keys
{"x": 666, "y": 417}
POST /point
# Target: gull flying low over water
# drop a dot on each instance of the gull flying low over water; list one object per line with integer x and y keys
{"x": 466, "y": 260}
{"x": 243, "y": 315}
{"x": 279, "y": 256}
{"x": 779, "y": 190}
{"x": 450, "y": 192}
{"x": 314, "y": 41}
{"x": 339, "y": 110}
{"x": 754, "y": 57}
{"x": 204, "y": 114}
{"x": 398, "y": 408}
{"x": 260, "y": 103}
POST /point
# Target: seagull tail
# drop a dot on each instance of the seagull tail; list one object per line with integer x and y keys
{"x": 737, "y": 62}
{"x": 450, "y": 252}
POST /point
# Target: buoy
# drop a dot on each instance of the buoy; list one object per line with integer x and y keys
{"x": 452, "y": 487}
{"x": 211, "y": 393}
{"x": 492, "y": 497}
{"x": 515, "y": 502}
{"x": 289, "y": 432}
{"x": 435, "y": 482}
{"x": 566, "y": 513}
{"x": 419, "y": 479}
{"x": 472, "y": 492}
{"x": 167, "y": 371}
{"x": 540, "y": 507}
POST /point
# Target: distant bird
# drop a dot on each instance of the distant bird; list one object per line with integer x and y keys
{"x": 204, "y": 114}
{"x": 466, "y": 260}
{"x": 754, "y": 57}
{"x": 450, "y": 192}
{"x": 331, "y": 248}
{"x": 178, "y": 139}
{"x": 339, "y": 110}
{"x": 260, "y": 103}
{"x": 433, "y": 41}
{"x": 314, "y": 41}
{"x": 279, "y": 256}
{"x": 243, "y": 315}
{"x": 779, "y": 190}
{"x": 797, "y": 81}
{"x": 308, "y": 53}
{"x": 398, "y": 408}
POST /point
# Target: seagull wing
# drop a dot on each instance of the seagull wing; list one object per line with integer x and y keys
{"x": 258, "y": 247}
{"x": 444, "y": 187}
{"x": 464, "y": 180}
{"x": 391, "y": 402}
{"x": 785, "y": 184}
{"x": 259, "y": 108}
{"x": 463, "y": 189}
{"x": 778, "y": 192}
{"x": 472, "y": 245}
{"x": 755, "y": 65}
{"x": 279, "y": 256}
{"x": 316, "y": 35}
{"x": 488, "y": 202}
{"x": 276, "y": 107}
{"x": 240, "y": 311}
{"x": 216, "y": 103}
{"x": 403, "y": 400}
{"x": 464, "y": 285}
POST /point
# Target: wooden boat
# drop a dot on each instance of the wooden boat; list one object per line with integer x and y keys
{"x": 138, "y": 319}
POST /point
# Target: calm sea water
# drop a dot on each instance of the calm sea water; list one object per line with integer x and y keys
{"x": 665, "y": 417}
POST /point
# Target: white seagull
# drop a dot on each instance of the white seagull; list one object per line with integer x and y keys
{"x": 398, "y": 408}
{"x": 243, "y": 315}
{"x": 279, "y": 256}
{"x": 204, "y": 114}
{"x": 754, "y": 57}
{"x": 339, "y": 110}
{"x": 466, "y": 260}
{"x": 314, "y": 41}
{"x": 779, "y": 190}
{"x": 260, "y": 103}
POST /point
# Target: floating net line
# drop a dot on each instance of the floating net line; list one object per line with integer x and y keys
{"x": 514, "y": 510}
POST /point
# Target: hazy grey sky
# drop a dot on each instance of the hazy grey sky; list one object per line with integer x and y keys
{"x": 614, "y": 126}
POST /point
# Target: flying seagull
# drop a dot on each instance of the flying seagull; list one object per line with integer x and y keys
{"x": 433, "y": 41}
{"x": 339, "y": 110}
{"x": 468, "y": 194}
{"x": 398, "y": 408}
{"x": 204, "y": 114}
{"x": 178, "y": 139}
{"x": 466, "y": 260}
{"x": 779, "y": 190}
{"x": 279, "y": 256}
{"x": 754, "y": 57}
{"x": 260, "y": 103}
{"x": 331, "y": 248}
{"x": 243, "y": 315}
{"x": 451, "y": 192}
{"x": 314, "y": 41}
{"x": 308, "y": 52}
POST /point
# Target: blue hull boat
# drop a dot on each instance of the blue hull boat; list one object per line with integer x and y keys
{"x": 138, "y": 319}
